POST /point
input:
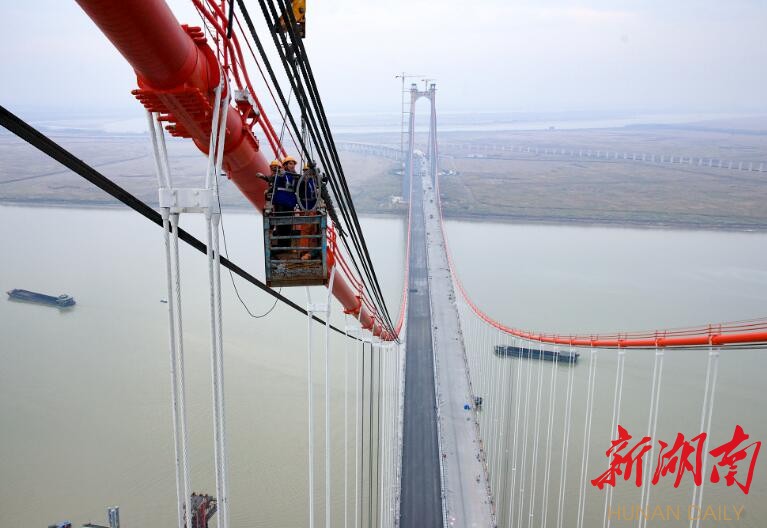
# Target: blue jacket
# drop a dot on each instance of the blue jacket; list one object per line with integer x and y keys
{"x": 285, "y": 189}
{"x": 307, "y": 192}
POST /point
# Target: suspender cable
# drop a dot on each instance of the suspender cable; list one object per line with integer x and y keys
{"x": 524, "y": 438}
{"x": 565, "y": 447}
{"x": 310, "y": 404}
{"x": 215, "y": 148}
{"x": 381, "y": 432}
{"x": 346, "y": 422}
{"x": 652, "y": 427}
{"x": 493, "y": 429}
{"x": 587, "y": 436}
{"x": 382, "y": 451}
{"x": 373, "y": 353}
{"x": 707, "y": 410}
{"x": 180, "y": 452}
{"x": 517, "y": 410}
{"x": 359, "y": 369}
{"x": 502, "y": 431}
{"x": 549, "y": 442}
{"x": 178, "y": 413}
{"x": 181, "y": 369}
{"x": 536, "y": 434}
{"x": 327, "y": 399}
{"x": 615, "y": 421}
{"x": 503, "y": 483}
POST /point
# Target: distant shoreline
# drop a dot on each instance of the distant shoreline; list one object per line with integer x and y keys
{"x": 498, "y": 219}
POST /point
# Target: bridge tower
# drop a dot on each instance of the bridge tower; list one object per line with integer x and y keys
{"x": 429, "y": 92}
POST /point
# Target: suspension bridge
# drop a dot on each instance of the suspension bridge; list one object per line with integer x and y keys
{"x": 451, "y": 418}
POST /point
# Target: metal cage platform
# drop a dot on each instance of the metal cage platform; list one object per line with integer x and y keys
{"x": 295, "y": 248}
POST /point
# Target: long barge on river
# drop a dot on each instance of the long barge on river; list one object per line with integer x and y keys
{"x": 61, "y": 301}
{"x": 560, "y": 356}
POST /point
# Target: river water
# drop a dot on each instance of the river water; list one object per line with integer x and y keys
{"x": 566, "y": 280}
{"x": 84, "y": 394}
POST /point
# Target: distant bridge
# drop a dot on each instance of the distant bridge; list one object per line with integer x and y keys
{"x": 560, "y": 153}
{"x": 370, "y": 149}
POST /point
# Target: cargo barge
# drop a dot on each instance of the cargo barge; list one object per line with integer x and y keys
{"x": 560, "y": 356}
{"x": 62, "y": 301}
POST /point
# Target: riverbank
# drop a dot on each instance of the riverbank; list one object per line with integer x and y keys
{"x": 678, "y": 225}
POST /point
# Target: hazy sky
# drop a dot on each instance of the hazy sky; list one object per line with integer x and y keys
{"x": 489, "y": 55}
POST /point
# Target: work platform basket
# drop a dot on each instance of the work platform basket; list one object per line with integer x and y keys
{"x": 295, "y": 248}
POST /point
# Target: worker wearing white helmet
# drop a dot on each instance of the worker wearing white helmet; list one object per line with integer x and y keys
{"x": 284, "y": 196}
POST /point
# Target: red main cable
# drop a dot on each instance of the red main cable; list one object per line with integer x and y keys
{"x": 722, "y": 334}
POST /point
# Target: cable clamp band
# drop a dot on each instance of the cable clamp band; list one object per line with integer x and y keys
{"x": 317, "y": 307}
{"x": 188, "y": 200}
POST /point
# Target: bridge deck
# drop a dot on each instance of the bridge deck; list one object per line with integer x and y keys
{"x": 465, "y": 483}
{"x": 420, "y": 499}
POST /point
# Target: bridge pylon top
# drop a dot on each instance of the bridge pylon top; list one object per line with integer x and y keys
{"x": 429, "y": 90}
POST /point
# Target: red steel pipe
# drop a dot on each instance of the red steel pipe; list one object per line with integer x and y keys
{"x": 170, "y": 63}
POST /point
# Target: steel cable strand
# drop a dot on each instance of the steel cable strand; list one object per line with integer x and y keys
{"x": 495, "y": 414}
{"x": 346, "y": 421}
{"x": 565, "y": 447}
{"x": 488, "y": 404}
{"x": 358, "y": 434}
{"x": 178, "y": 451}
{"x": 327, "y": 398}
{"x": 517, "y": 411}
{"x": 163, "y": 181}
{"x": 591, "y": 385}
{"x": 216, "y": 336}
{"x": 378, "y": 427}
{"x": 549, "y": 442}
{"x": 525, "y": 437}
{"x": 652, "y": 429}
{"x": 373, "y": 352}
{"x": 617, "y": 396}
{"x": 707, "y": 410}
{"x": 382, "y": 480}
{"x": 536, "y": 429}
{"x": 215, "y": 375}
{"x": 503, "y": 470}
{"x": 499, "y": 417}
{"x": 503, "y": 451}
{"x": 181, "y": 368}
{"x": 310, "y": 405}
